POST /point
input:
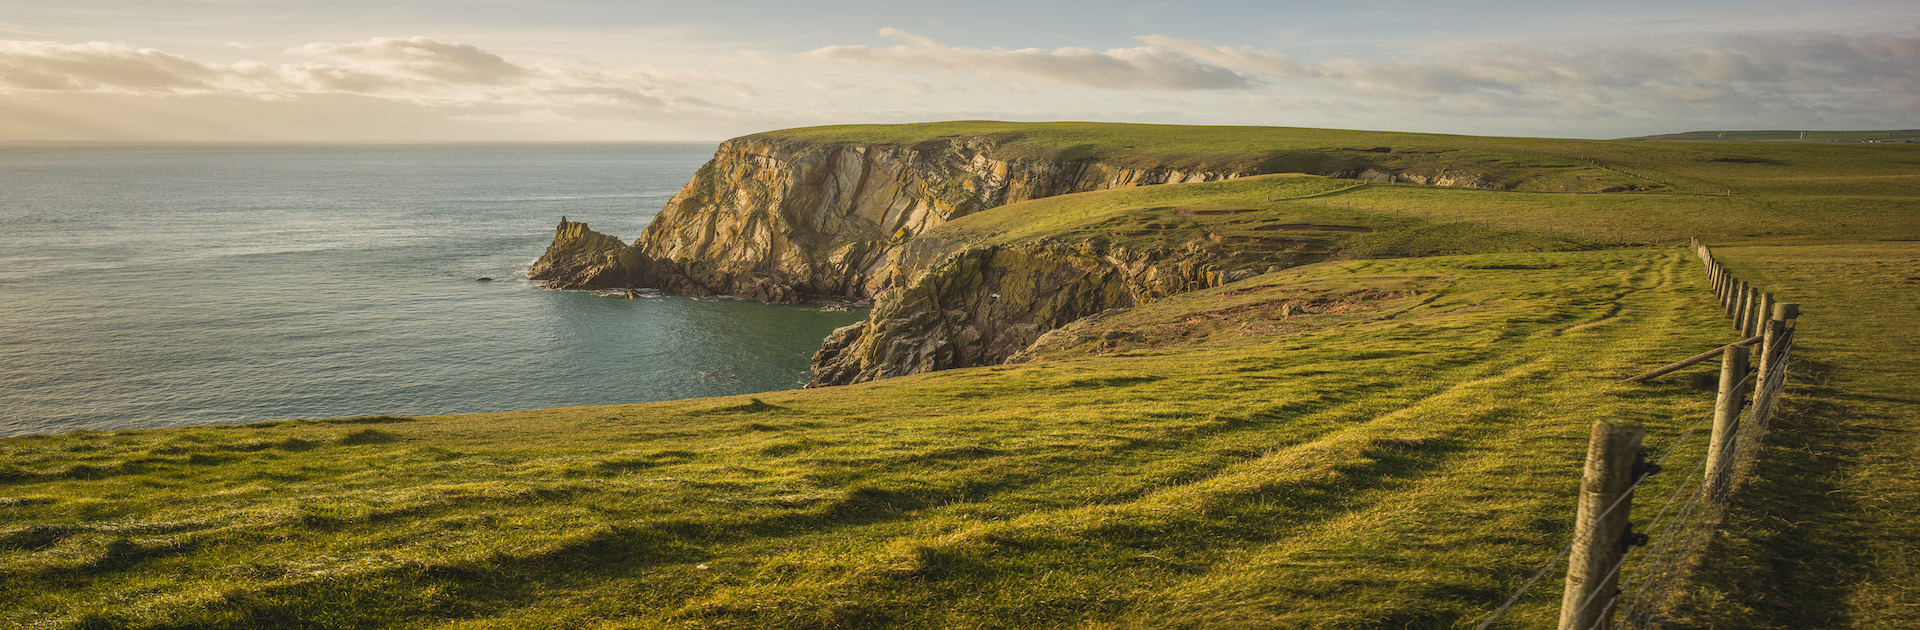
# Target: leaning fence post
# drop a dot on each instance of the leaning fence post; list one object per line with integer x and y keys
{"x": 1601, "y": 530}
{"x": 1726, "y": 415}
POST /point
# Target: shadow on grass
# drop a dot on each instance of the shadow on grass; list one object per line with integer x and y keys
{"x": 1793, "y": 539}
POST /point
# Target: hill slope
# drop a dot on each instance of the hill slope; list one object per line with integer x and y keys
{"x": 1372, "y": 418}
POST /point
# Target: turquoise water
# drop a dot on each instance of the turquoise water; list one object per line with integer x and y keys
{"x": 166, "y": 285}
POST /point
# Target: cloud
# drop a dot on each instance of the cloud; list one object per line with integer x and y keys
{"x": 872, "y": 86}
{"x": 1268, "y": 62}
{"x": 97, "y": 66}
{"x": 1143, "y": 68}
{"x": 419, "y": 58}
{"x": 1762, "y": 79}
{"x": 419, "y": 71}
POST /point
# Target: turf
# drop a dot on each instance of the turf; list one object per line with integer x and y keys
{"x": 1399, "y": 450}
{"x": 1385, "y": 431}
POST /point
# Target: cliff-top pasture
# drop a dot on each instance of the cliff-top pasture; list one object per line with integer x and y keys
{"x": 1385, "y": 430}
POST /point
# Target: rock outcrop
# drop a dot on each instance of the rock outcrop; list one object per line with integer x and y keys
{"x": 781, "y": 219}
{"x": 786, "y": 220}
{"x": 979, "y": 306}
{"x": 580, "y": 258}
{"x": 1443, "y": 178}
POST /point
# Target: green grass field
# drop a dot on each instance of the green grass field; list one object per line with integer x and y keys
{"x": 1388, "y": 438}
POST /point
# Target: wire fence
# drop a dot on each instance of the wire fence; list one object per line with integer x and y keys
{"x": 1636, "y": 590}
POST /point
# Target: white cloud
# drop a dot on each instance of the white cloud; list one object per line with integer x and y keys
{"x": 1268, "y": 62}
{"x": 872, "y": 85}
{"x": 1143, "y": 68}
{"x": 98, "y": 66}
{"x": 1767, "y": 79}
{"x": 419, "y": 58}
{"x": 1858, "y": 80}
{"x": 419, "y": 71}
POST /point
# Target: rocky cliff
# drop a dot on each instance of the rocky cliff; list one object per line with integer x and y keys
{"x": 791, "y": 217}
{"x": 981, "y": 305}
{"x": 785, "y": 220}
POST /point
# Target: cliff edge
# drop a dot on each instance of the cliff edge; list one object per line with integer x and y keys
{"x": 857, "y": 213}
{"x": 787, "y": 220}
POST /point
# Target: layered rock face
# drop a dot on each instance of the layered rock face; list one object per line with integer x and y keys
{"x": 580, "y": 258}
{"x": 980, "y": 306}
{"x": 784, "y": 220}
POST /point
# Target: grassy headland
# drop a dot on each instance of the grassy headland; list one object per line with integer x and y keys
{"x": 1389, "y": 438}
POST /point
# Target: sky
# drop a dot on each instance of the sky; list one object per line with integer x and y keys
{"x": 570, "y": 70}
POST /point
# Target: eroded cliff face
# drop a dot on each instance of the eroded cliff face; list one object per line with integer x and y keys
{"x": 980, "y": 306}
{"x": 783, "y": 220}
{"x": 786, "y": 220}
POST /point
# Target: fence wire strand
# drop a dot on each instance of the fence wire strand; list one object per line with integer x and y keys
{"x": 1647, "y": 587}
{"x": 1676, "y": 542}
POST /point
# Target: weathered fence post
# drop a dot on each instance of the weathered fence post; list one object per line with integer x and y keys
{"x": 1748, "y": 322}
{"x": 1733, "y": 295}
{"x": 1775, "y": 330}
{"x": 1762, "y": 317}
{"x": 1601, "y": 530}
{"x": 1726, "y": 416}
{"x": 1741, "y": 305}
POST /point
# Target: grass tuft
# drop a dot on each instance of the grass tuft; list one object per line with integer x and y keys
{"x": 369, "y": 436}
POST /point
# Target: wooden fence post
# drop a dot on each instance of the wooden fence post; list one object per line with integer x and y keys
{"x": 1601, "y": 529}
{"x": 1739, "y": 311}
{"x": 1748, "y": 312}
{"x": 1762, "y": 313}
{"x": 1733, "y": 290}
{"x": 1776, "y": 327}
{"x": 1726, "y": 416}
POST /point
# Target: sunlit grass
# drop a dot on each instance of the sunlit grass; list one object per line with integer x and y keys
{"x": 1401, "y": 446}
{"x": 1383, "y": 431}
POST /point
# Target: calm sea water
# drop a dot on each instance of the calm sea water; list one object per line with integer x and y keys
{"x": 166, "y": 285}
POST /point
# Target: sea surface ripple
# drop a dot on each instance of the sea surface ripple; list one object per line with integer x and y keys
{"x": 166, "y": 285}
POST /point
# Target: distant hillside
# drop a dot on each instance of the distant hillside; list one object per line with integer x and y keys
{"x": 1781, "y": 135}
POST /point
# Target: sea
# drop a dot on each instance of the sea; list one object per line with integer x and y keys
{"x": 162, "y": 285}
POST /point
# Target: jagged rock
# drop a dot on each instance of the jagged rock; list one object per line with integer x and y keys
{"x": 981, "y": 306}
{"x": 580, "y": 258}
{"x": 781, "y": 219}
{"x": 785, "y": 220}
